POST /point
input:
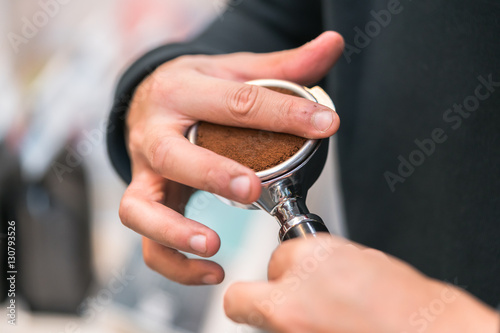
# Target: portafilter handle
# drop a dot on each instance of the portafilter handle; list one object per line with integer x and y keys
{"x": 284, "y": 197}
{"x": 295, "y": 220}
{"x": 284, "y": 188}
{"x": 305, "y": 229}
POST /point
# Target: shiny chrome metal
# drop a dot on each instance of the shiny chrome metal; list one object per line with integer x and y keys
{"x": 285, "y": 186}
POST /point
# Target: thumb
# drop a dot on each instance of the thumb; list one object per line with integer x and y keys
{"x": 305, "y": 65}
{"x": 251, "y": 303}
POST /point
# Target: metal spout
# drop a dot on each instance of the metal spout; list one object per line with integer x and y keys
{"x": 284, "y": 196}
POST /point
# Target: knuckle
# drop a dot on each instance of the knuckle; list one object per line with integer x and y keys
{"x": 375, "y": 253}
{"x": 148, "y": 255}
{"x": 372, "y": 251}
{"x": 214, "y": 180}
{"x": 126, "y": 205}
{"x": 187, "y": 281}
{"x": 181, "y": 61}
{"x": 185, "y": 276}
{"x": 297, "y": 111}
{"x": 288, "y": 108}
{"x": 142, "y": 92}
{"x": 186, "y": 60}
{"x": 349, "y": 251}
{"x": 159, "y": 85}
{"x": 241, "y": 101}
{"x": 155, "y": 82}
{"x": 165, "y": 236}
{"x": 159, "y": 196}
{"x": 135, "y": 138}
{"x": 158, "y": 152}
{"x": 152, "y": 86}
{"x": 291, "y": 113}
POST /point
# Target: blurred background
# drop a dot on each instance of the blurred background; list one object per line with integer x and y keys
{"x": 78, "y": 268}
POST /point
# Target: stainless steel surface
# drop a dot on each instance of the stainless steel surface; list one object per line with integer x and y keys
{"x": 285, "y": 186}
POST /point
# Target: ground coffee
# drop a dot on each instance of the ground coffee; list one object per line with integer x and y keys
{"x": 257, "y": 149}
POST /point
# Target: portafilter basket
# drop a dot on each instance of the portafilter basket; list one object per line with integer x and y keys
{"x": 285, "y": 186}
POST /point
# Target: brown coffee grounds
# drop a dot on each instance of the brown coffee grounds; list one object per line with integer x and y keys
{"x": 257, "y": 149}
{"x": 283, "y": 91}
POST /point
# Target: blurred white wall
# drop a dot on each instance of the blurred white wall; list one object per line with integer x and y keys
{"x": 59, "y": 63}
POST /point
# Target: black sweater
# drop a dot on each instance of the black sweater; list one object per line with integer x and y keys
{"x": 418, "y": 94}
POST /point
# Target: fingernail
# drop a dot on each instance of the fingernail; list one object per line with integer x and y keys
{"x": 198, "y": 243}
{"x": 210, "y": 279}
{"x": 240, "y": 187}
{"x": 323, "y": 120}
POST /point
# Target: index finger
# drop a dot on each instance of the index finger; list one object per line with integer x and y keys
{"x": 151, "y": 218}
{"x": 243, "y": 105}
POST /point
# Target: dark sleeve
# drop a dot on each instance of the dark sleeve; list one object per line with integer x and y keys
{"x": 246, "y": 25}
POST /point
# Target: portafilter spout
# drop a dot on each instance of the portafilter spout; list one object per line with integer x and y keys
{"x": 285, "y": 186}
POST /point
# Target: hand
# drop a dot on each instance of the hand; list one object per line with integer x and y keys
{"x": 210, "y": 88}
{"x": 328, "y": 284}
